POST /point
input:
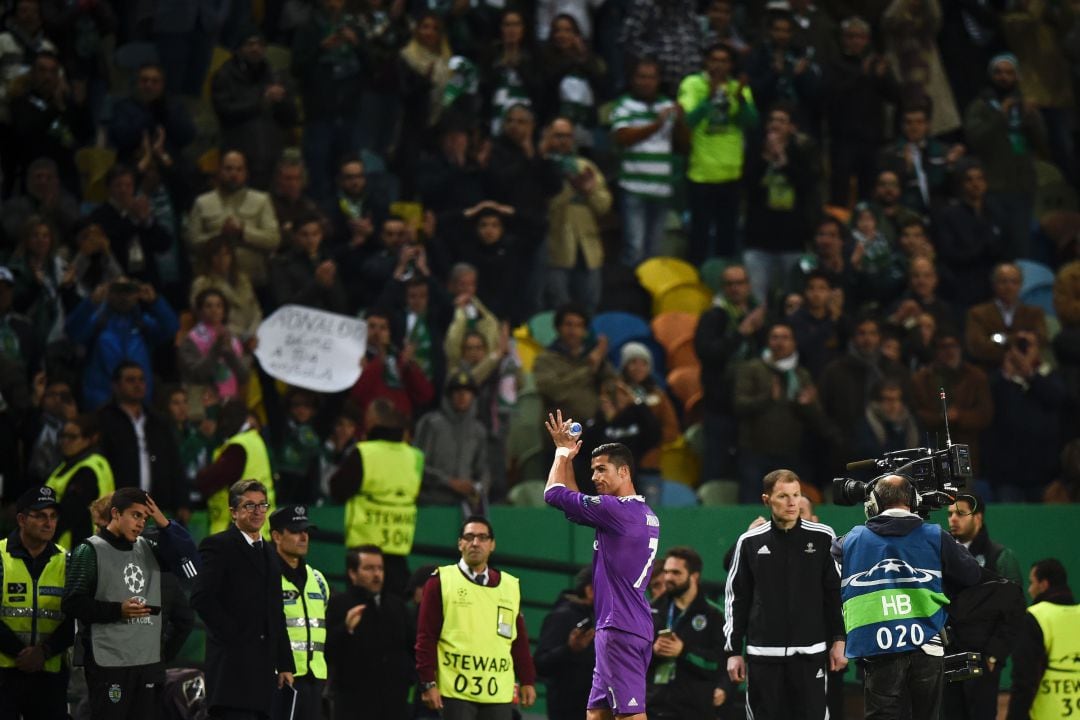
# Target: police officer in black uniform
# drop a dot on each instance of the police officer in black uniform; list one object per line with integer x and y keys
{"x": 34, "y": 633}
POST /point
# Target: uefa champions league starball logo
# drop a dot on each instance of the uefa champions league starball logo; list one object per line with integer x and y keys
{"x": 134, "y": 578}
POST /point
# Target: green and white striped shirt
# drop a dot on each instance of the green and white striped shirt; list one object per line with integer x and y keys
{"x": 646, "y": 167}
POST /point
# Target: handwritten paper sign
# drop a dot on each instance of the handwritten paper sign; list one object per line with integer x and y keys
{"x": 311, "y": 348}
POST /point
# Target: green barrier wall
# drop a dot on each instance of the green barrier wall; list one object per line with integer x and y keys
{"x": 1032, "y": 531}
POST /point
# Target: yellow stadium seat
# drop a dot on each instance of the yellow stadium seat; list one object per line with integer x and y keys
{"x": 528, "y": 350}
{"x": 219, "y": 57}
{"x": 693, "y": 298}
{"x": 93, "y": 163}
{"x": 279, "y": 58}
{"x": 658, "y": 274}
{"x": 679, "y": 463}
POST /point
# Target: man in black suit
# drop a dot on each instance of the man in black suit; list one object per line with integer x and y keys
{"x": 238, "y": 596}
{"x": 138, "y": 443}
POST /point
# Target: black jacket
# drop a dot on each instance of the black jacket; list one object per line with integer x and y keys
{"x": 238, "y": 596}
{"x": 120, "y": 446}
{"x": 702, "y": 666}
{"x": 986, "y": 617}
{"x": 125, "y": 234}
{"x": 371, "y": 669}
{"x": 720, "y": 347}
{"x": 783, "y": 592}
{"x": 568, "y": 675}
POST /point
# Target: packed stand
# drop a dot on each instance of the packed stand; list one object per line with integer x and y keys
{"x": 734, "y": 236}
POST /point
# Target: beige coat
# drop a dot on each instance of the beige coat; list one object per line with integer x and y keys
{"x": 251, "y": 208}
{"x": 575, "y": 222}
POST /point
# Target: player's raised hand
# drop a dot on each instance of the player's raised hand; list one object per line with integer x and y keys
{"x": 559, "y": 430}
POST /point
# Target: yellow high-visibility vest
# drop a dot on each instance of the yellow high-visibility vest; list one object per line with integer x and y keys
{"x": 305, "y": 621}
{"x": 32, "y": 609}
{"x": 479, "y": 627}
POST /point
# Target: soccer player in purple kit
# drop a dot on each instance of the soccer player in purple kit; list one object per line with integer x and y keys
{"x": 627, "y": 538}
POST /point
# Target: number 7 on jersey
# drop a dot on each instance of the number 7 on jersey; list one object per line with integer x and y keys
{"x": 654, "y": 543}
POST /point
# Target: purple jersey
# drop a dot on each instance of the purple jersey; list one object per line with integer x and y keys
{"x": 627, "y": 537}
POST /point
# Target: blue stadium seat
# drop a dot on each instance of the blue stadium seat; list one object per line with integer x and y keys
{"x": 675, "y": 494}
{"x": 620, "y": 328}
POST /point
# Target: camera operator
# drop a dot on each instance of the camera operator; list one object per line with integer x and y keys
{"x": 688, "y": 651}
{"x": 894, "y": 570}
{"x": 781, "y": 569}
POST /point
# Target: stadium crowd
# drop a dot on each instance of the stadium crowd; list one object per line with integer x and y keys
{"x": 875, "y": 201}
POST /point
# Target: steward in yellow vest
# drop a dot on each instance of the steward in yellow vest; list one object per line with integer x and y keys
{"x": 304, "y": 595}
{"x": 1046, "y": 661}
{"x": 34, "y": 634}
{"x": 378, "y": 484}
{"x": 471, "y": 642}
{"x": 83, "y": 477}
{"x": 242, "y": 457}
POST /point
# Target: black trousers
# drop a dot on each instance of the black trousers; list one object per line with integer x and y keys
{"x": 33, "y": 696}
{"x": 309, "y": 692}
{"x": 792, "y": 688}
{"x": 122, "y": 693}
{"x": 465, "y": 710}
{"x": 906, "y": 685}
{"x": 974, "y": 699}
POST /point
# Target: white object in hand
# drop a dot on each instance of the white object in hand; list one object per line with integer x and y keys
{"x": 575, "y": 429}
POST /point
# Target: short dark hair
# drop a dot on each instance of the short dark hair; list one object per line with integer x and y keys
{"x": 782, "y": 475}
{"x": 978, "y": 507}
{"x": 689, "y": 556}
{"x": 570, "y": 309}
{"x": 868, "y": 318}
{"x": 817, "y": 275}
{"x": 125, "y": 497}
{"x": 380, "y": 312}
{"x": 118, "y": 171}
{"x": 780, "y": 323}
{"x": 208, "y": 292}
{"x": 1052, "y": 571}
{"x": 894, "y": 491}
{"x": 646, "y": 60}
{"x": 349, "y": 160}
{"x": 232, "y": 416}
{"x": 88, "y": 423}
{"x": 918, "y": 106}
{"x": 238, "y": 488}
{"x": 617, "y": 454}
{"x": 352, "y": 555}
{"x": 721, "y": 47}
{"x": 308, "y": 218}
{"x": 387, "y": 414}
{"x": 477, "y": 519}
{"x": 830, "y": 220}
{"x": 886, "y": 384}
{"x": 118, "y": 371}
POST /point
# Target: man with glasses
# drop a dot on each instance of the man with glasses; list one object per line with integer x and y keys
{"x": 33, "y": 631}
{"x": 985, "y": 618}
{"x": 466, "y": 662}
{"x": 238, "y": 597}
{"x": 114, "y": 589}
{"x": 967, "y": 523}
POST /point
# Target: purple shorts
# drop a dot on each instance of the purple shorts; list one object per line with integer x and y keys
{"x": 618, "y": 680}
